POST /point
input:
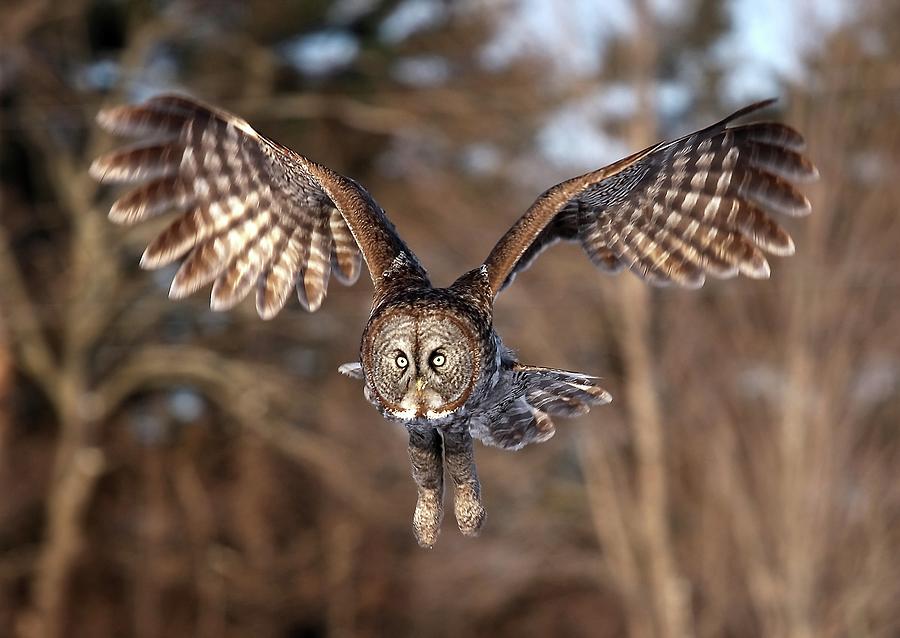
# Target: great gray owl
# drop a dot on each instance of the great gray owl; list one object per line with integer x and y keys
{"x": 254, "y": 214}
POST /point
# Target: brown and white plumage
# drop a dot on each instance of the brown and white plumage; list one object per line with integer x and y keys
{"x": 675, "y": 212}
{"x": 252, "y": 213}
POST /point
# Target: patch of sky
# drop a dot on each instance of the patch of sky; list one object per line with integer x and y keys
{"x": 613, "y": 101}
{"x": 159, "y": 73}
{"x": 322, "y": 52}
{"x": 186, "y": 405}
{"x": 481, "y": 158}
{"x": 573, "y": 137}
{"x": 421, "y": 70}
{"x": 409, "y": 17}
{"x": 98, "y": 76}
{"x": 573, "y": 36}
{"x": 346, "y": 11}
{"x": 672, "y": 99}
{"x": 770, "y": 41}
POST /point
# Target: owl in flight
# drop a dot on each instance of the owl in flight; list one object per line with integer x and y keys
{"x": 254, "y": 215}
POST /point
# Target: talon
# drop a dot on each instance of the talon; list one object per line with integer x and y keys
{"x": 427, "y": 518}
{"x": 468, "y": 508}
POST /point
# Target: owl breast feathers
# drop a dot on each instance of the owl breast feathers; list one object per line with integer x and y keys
{"x": 250, "y": 214}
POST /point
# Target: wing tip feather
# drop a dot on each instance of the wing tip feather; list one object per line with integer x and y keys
{"x": 181, "y": 287}
{"x": 99, "y": 169}
{"x": 694, "y": 283}
{"x": 309, "y": 303}
{"x": 755, "y": 269}
{"x": 151, "y": 260}
{"x": 107, "y": 118}
{"x": 804, "y": 209}
{"x": 124, "y": 214}
{"x": 222, "y": 298}
{"x": 267, "y": 313}
{"x": 269, "y": 305}
{"x": 785, "y": 249}
{"x": 747, "y": 110}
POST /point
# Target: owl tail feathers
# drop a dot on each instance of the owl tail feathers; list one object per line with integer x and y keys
{"x": 548, "y": 393}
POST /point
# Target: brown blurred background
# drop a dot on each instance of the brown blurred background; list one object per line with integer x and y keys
{"x": 169, "y": 471}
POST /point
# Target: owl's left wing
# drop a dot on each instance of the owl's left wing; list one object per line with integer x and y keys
{"x": 676, "y": 211}
{"x": 526, "y": 400}
{"x": 252, "y": 212}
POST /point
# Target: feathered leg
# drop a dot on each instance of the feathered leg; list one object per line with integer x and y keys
{"x": 460, "y": 457}
{"x": 428, "y": 473}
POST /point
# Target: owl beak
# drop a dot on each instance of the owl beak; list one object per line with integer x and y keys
{"x": 421, "y": 384}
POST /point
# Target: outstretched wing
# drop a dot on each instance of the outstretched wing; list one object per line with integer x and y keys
{"x": 526, "y": 399}
{"x": 674, "y": 212}
{"x": 252, "y": 212}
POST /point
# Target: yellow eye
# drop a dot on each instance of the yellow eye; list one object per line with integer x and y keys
{"x": 438, "y": 359}
{"x": 401, "y": 361}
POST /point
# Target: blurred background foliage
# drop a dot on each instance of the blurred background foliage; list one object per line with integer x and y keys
{"x": 169, "y": 471}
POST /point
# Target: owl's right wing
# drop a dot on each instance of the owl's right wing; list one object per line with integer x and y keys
{"x": 252, "y": 212}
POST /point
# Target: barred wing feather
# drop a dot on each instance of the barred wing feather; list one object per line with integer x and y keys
{"x": 251, "y": 212}
{"x": 675, "y": 212}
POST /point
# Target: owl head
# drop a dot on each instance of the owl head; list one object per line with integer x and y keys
{"x": 421, "y": 362}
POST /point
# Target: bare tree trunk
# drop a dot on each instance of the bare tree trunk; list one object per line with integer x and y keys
{"x": 252, "y": 520}
{"x": 154, "y": 522}
{"x": 6, "y": 383}
{"x": 342, "y": 540}
{"x": 806, "y": 432}
{"x": 76, "y": 470}
{"x": 612, "y": 512}
{"x": 670, "y": 608}
{"x": 631, "y": 517}
{"x": 78, "y": 463}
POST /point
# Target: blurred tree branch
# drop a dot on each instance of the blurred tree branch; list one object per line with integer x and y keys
{"x": 249, "y": 391}
{"x": 639, "y": 537}
{"x": 93, "y": 274}
{"x": 21, "y": 321}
